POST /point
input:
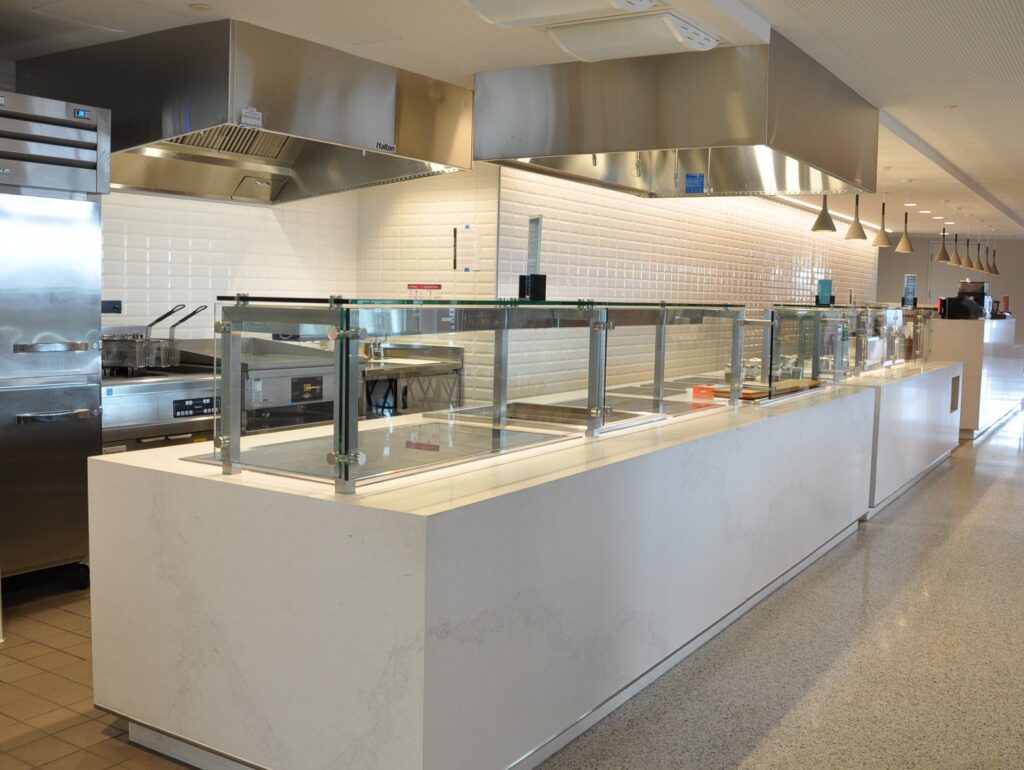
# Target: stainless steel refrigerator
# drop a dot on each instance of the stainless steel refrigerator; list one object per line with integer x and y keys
{"x": 54, "y": 165}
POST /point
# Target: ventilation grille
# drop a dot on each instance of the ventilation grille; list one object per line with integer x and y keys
{"x": 26, "y": 138}
{"x": 236, "y": 139}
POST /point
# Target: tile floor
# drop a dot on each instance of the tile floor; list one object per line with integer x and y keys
{"x": 901, "y": 648}
{"x": 47, "y": 719}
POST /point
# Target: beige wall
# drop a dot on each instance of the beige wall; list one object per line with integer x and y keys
{"x": 939, "y": 280}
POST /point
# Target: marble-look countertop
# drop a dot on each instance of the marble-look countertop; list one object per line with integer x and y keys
{"x": 436, "y": 491}
{"x": 889, "y": 374}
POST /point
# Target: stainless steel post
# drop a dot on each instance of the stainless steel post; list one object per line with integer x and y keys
{"x": 597, "y": 364}
{"x": 820, "y": 324}
{"x": 768, "y": 348}
{"x": 346, "y": 420}
{"x": 841, "y": 355}
{"x": 738, "y": 339}
{"x": 230, "y": 433}
{"x": 860, "y": 348}
{"x": 500, "y": 384}
{"x": 660, "y": 334}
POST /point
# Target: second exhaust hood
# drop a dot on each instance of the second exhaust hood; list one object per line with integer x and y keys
{"x": 231, "y": 111}
{"x": 746, "y": 120}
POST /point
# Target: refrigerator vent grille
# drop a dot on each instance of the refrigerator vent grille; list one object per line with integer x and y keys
{"x": 51, "y": 145}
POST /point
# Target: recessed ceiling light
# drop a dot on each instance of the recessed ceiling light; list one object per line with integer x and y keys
{"x": 910, "y": 205}
{"x": 199, "y": 7}
{"x": 936, "y": 217}
{"x": 925, "y": 211}
{"x": 949, "y": 223}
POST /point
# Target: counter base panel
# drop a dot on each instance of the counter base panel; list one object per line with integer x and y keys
{"x": 649, "y": 677}
{"x": 480, "y": 637}
{"x": 993, "y": 380}
{"x": 874, "y": 510}
{"x": 917, "y": 421}
{"x": 183, "y": 751}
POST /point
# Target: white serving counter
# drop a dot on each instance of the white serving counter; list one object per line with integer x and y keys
{"x": 471, "y": 618}
{"x": 993, "y": 382}
{"x": 916, "y": 423}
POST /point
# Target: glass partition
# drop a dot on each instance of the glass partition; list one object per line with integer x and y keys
{"x": 506, "y": 375}
{"x": 805, "y": 347}
{"x": 916, "y": 333}
{"x": 671, "y": 360}
{"x": 880, "y": 338}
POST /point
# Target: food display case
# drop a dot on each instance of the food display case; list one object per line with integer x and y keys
{"x": 536, "y": 373}
{"x": 917, "y": 344}
{"x": 888, "y": 335}
{"x": 802, "y": 347}
{"x": 879, "y": 337}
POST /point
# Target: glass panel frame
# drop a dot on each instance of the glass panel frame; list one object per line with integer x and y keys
{"x": 807, "y": 346}
{"x": 348, "y": 323}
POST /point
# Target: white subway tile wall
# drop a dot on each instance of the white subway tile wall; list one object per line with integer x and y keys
{"x": 405, "y": 236}
{"x": 597, "y": 244}
{"x": 160, "y": 251}
{"x": 605, "y": 245}
{"x": 614, "y": 246}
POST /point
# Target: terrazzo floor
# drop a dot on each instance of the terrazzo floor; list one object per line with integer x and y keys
{"x": 901, "y": 648}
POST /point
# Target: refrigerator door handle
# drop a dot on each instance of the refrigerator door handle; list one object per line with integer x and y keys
{"x": 51, "y": 347}
{"x": 71, "y": 414}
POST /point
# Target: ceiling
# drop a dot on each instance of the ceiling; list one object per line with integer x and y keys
{"x": 949, "y": 71}
{"x": 441, "y": 38}
{"x": 912, "y": 59}
{"x": 914, "y": 178}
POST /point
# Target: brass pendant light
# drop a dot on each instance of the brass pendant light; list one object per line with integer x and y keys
{"x": 824, "y": 220}
{"x": 943, "y": 255}
{"x": 987, "y": 264}
{"x": 905, "y": 246}
{"x": 977, "y": 258}
{"x": 954, "y": 258}
{"x": 966, "y": 261}
{"x": 995, "y": 267}
{"x": 856, "y": 231}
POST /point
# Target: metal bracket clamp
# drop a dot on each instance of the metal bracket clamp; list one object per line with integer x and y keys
{"x": 602, "y": 326}
{"x": 335, "y": 300}
{"x": 335, "y": 333}
{"x": 352, "y": 458}
{"x": 222, "y": 327}
{"x": 599, "y": 412}
{"x": 242, "y": 298}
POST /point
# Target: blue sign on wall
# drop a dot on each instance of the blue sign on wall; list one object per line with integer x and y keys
{"x": 825, "y": 291}
{"x": 694, "y": 183}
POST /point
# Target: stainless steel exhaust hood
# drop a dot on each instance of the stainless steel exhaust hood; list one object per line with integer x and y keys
{"x": 230, "y": 111}
{"x": 748, "y": 120}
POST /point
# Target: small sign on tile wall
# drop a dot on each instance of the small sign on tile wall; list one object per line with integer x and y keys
{"x": 424, "y": 290}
